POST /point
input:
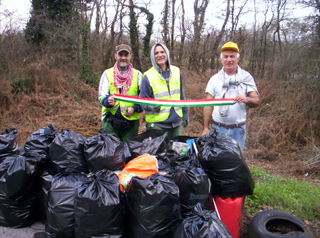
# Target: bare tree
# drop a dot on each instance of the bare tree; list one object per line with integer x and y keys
{"x": 236, "y": 16}
{"x": 134, "y": 33}
{"x": 122, "y": 14}
{"x": 259, "y": 52}
{"x": 173, "y": 18}
{"x": 183, "y": 32}
{"x": 315, "y": 4}
{"x": 98, "y": 15}
{"x": 280, "y": 13}
{"x": 219, "y": 37}
{"x": 111, "y": 40}
{"x": 205, "y": 54}
{"x": 199, "y": 9}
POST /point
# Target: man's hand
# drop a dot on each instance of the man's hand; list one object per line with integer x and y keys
{"x": 129, "y": 112}
{"x": 185, "y": 123}
{"x": 241, "y": 98}
{"x": 156, "y": 108}
{"x": 253, "y": 99}
{"x": 111, "y": 100}
{"x": 205, "y": 131}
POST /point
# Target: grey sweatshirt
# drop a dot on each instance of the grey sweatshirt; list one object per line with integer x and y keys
{"x": 174, "y": 119}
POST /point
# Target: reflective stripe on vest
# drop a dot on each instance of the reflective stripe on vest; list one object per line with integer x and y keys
{"x": 133, "y": 91}
{"x": 160, "y": 91}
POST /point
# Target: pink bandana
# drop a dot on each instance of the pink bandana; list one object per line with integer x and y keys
{"x": 121, "y": 79}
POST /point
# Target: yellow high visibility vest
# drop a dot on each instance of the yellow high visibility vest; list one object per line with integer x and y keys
{"x": 160, "y": 91}
{"x": 133, "y": 91}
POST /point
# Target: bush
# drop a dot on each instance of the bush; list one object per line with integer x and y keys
{"x": 20, "y": 85}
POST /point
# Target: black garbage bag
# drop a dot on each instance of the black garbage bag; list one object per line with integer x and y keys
{"x": 60, "y": 214}
{"x": 66, "y": 153}
{"x": 105, "y": 151}
{"x": 19, "y": 175}
{"x": 221, "y": 158}
{"x": 8, "y": 144}
{"x": 194, "y": 186}
{"x": 98, "y": 210}
{"x": 181, "y": 139}
{"x": 202, "y": 223}
{"x": 39, "y": 142}
{"x": 169, "y": 161}
{"x": 19, "y": 187}
{"x": 152, "y": 207}
{"x": 43, "y": 197}
{"x": 18, "y": 212}
{"x": 164, "y": 164}
{"x": 183, "y": 161}
{"x": 150, "y": 142}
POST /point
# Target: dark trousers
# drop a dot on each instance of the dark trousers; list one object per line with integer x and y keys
{"x": 123, "y": 134}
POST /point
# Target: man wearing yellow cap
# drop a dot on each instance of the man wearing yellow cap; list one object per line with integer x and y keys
{"x": 230, "y": 82}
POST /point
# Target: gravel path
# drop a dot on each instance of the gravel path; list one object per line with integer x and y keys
{"x": 26, "y": 232}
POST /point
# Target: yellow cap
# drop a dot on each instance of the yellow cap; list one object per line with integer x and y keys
{"x": 230, "y": 46}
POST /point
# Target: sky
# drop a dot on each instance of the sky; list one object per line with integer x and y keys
{"x": 20, "y": 16}
{"x": 21, "y": 9}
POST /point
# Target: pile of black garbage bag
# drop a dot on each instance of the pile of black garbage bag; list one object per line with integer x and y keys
{"x": 70, "y": 183}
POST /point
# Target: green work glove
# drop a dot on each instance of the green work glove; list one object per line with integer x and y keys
{"x": 185, "y": 123}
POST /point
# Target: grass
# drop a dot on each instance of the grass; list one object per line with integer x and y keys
{"x": 284, "y": 194}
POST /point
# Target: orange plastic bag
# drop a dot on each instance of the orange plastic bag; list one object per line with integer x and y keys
{"x": 142, "y": 166}
{"x": 144, "y": 162}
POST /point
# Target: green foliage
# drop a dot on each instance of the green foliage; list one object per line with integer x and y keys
{"x": 85, "y": 73}
{"x": 165, "y": 24}
{"x": 47, "y": 15}
{"x": 20, "y": 85}
{"x": 89, "y": 78}
{"x": 34, "y": 31}
{"x": 86, "y": 76}
{"x": 133, "y": 28}
{"x": 147, "y": 37}
{"x": 284, "y": 194}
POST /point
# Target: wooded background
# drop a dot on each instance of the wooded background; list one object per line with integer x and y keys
{"x": 55, "y": 62}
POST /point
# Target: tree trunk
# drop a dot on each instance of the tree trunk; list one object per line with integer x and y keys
{"x": 183, "y": 33}
{"x": 134, "y": 37}
{"x": 111, "y": 40}
{"x": 218, "y": 39}
{"x": 198, "y": 23}
{"x": 173, "y": 15}
{"x": 165, "y": 25}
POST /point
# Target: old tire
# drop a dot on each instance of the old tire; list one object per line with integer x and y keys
{"x": 277, "y": 224}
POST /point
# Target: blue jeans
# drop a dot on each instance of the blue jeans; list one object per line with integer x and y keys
{"x": 238, "y": 133}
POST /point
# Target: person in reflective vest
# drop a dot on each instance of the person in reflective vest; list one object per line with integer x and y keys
{"x": 164, "y": 81}
{"x": 121, "y": 118}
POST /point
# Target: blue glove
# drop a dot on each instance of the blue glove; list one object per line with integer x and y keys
{"x": 185, "y": 123}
